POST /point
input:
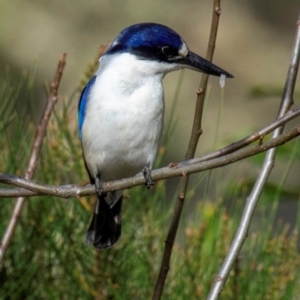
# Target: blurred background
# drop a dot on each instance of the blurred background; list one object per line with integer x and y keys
{"x": 254, "y": 44}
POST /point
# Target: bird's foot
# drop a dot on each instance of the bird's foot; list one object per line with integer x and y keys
{"x": 99, "y": 187}
{"x": 147, "y": 174}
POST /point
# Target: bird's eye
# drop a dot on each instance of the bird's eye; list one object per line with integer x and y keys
{"x": 169, "y": 52}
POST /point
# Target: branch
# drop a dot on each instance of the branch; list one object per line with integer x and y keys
{"x": 252, "y": 200}
{"x": 34, "y": 189}
{"x": 194, "y": 139}
{"x": 31, "y": 188}
{"x": 34, "y": 156}
{"x": 249, "y": 139}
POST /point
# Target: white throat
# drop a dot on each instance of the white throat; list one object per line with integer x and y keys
{"x": 125, "y": 113}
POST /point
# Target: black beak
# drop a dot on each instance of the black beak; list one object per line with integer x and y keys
{"x": 197, "y": 63}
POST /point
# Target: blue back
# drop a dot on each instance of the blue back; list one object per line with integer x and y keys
{"x": 84, "y": 98}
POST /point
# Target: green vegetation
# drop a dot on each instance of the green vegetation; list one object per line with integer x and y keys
{"x": 48, "y": 258}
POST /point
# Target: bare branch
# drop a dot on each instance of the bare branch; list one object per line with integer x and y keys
{"x": 66, "y": 191}
{"x": 259, "y": 135}
{"x": 34, "y": 156}
{"x": 195, "y": 135}
{"x": 252, "y": 200}
{"x": 31, "y": 188}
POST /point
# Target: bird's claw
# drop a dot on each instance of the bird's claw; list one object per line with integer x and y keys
{"x": 147, "y": 175}
{"x": 99, "y": 187}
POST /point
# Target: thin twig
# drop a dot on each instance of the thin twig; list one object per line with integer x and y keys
{"x": 70, "y": 190}
{"x": 252, "y": 200}
{"x": 195, "y": 135}
{"x": 31, "y": 188}
{"x": 259, "y": 135}
{"x": 34, "y": 155}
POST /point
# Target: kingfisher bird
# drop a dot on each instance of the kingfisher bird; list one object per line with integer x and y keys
{"x": 121, "y": 112}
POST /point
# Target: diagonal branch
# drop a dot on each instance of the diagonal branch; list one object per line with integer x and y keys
{"x": 195, "y": 135}
{"x": 31, "y": 188}
{"x": 252, "y": 200}
{"x": 34, "y": 156}
{"x": 35, "y": 189}
{"x": 259, "y": 135}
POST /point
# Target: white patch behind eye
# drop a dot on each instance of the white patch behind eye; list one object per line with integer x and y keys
{"x": 115, "y": 43}
{"x": 183, "y": 51}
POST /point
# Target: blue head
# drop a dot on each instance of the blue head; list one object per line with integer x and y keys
{"x": 150, "y": 41}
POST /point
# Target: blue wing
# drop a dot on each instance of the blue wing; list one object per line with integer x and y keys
{"x": 84, "y": 98}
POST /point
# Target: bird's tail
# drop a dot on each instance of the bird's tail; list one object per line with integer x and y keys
{"x": 105, "y": 228}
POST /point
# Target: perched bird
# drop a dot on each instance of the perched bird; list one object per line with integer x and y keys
{"x": 121, "y": 113}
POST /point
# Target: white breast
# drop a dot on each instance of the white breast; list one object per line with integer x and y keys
{"x": 124, "y": 117}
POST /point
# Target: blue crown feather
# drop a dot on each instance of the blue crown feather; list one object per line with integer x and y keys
{"x": 140, "y": 37}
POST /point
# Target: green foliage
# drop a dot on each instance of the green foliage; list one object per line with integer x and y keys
{"x": 48, "y": 258}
